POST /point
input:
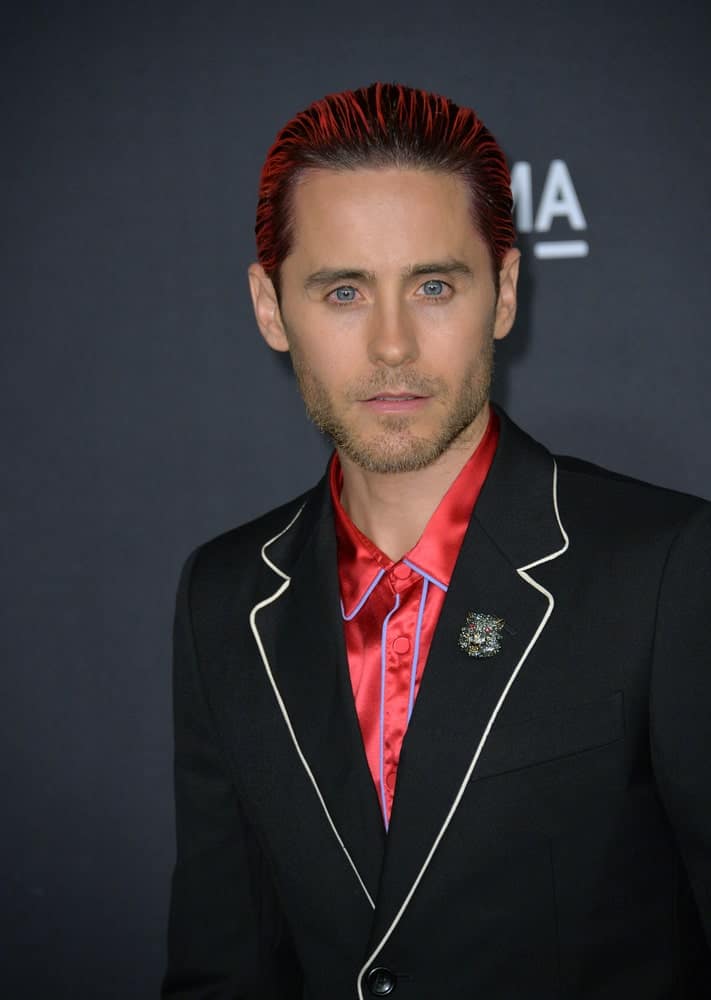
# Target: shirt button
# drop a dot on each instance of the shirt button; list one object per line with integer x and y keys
{"x": 401, "y": 644}
{"x": 390, "y": 781}
{"x": 401, "y": 571}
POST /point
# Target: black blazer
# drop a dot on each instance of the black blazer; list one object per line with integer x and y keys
{"x": 551, "y": 830}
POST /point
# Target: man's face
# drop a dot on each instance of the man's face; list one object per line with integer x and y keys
{"x": 389, "y": 310}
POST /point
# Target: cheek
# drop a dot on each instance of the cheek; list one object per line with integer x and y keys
{"x": 450, "y": 337}
{"x": 332, "y": 339}
{"x": 329, "y": 359}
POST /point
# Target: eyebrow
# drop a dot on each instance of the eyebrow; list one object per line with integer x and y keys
{"x": 449, "y": 266}
{"x": 327, "y": 276}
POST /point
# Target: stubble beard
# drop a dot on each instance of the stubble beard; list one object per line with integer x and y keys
{"x": 394, "y": 447}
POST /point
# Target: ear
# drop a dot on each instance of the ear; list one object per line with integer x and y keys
{"x": 506, "y": 302}
{"x": 266, "y": 308}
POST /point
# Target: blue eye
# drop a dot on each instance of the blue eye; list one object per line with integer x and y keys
{"x": 433, "y": 287}
{"x": 346, "y": 293}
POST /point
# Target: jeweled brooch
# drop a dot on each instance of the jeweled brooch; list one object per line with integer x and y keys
{"x": 481, "y": 634}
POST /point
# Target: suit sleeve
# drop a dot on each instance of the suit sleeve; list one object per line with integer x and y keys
{"x": 681, "y": 702}
{"x": 227, "y": 939}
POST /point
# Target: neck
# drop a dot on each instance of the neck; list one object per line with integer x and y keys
{"x": 392, "y": 509}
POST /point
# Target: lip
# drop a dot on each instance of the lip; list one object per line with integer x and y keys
{"x": 395, "y": 402}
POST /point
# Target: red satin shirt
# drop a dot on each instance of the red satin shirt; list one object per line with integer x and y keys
{"x": 390, "y": 611}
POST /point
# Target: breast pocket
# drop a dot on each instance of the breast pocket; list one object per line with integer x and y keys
{"x": 544, "y": 738}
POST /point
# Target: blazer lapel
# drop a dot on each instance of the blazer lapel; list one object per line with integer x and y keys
{"x": 515, "y": 527}
{"x": 301, "y": 633}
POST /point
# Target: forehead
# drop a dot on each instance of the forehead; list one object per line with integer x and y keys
{"x": 389, "y": 215}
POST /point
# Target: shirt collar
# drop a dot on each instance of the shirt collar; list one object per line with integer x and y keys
{"x": 436, "y": 551}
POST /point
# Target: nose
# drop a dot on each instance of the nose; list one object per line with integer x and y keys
{"x": 392, "y": 339}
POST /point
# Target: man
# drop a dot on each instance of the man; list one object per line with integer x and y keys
{"x": 442, "y": 723}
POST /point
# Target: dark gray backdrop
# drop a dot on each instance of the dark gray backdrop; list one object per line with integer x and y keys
{"x": 142, "y": 413}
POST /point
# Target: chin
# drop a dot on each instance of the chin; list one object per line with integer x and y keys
{"x": 388, "y": 456}
{"x": 393, "y": 444}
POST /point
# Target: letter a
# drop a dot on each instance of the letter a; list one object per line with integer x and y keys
{"x": 558, "y": 199}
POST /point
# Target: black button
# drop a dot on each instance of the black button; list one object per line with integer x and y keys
{"x": 381, "y": 982}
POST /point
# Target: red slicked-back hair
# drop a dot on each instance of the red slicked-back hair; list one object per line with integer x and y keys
{"x": 384, "y": 125}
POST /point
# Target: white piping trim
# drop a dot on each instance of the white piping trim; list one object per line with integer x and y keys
{"x": 523, "y": 573}
{"x": 265, "y": 660}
